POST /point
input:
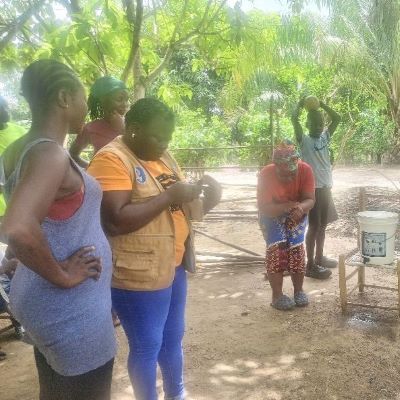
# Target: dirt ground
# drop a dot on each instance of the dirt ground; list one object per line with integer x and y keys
{"x": 237, "y": 347}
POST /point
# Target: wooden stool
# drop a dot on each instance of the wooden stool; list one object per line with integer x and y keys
{"x": 356, "y": 260}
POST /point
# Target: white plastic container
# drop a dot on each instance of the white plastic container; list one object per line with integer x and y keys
{"x": 378, "y": 230}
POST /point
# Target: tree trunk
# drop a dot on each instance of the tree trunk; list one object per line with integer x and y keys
{"x": 134, "y": 62}
{"x": 139, "y": 90}
{"x": 395, "y": 153}
{"x": 271, "y": 122}
{"x": 278, "y": 125}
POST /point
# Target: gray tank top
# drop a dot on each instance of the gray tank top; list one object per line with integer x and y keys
{"x": 72, "y": 328}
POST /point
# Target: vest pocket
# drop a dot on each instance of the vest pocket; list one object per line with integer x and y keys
{"x": 136, "y": 266}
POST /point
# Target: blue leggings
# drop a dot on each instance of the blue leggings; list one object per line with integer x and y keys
{"x": 154, "y": 322}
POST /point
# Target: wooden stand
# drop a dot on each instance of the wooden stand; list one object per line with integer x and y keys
{"x": 361, "y": 285}
{"x": 355, "y": 260}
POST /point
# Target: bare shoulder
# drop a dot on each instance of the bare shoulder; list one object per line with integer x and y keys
{"x": 49, "y": 154}
{"x": 47, "y": 158}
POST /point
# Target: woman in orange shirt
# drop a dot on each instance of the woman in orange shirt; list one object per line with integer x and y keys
{"x": 285, "y": 195}
{"x": 146, "y": 211}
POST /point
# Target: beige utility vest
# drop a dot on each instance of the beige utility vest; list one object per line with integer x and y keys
{"x": 145, "y": 259}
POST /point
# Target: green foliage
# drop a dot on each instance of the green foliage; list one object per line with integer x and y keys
{"x": 194, "y": 130}
{"x": 228, "y": 73}
{"x": 253, "y": 130}
{"x": 188, "y": 70}
{"x": 367, "y": 140}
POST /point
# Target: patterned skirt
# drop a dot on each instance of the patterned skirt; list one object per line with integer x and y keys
{"x": 284, "y": 239}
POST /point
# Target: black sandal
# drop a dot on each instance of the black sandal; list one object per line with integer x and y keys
{"x": 329, "y": 262}
{"x": 318, "y": 272}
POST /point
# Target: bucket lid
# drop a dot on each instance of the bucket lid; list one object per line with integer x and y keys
{"x": 378, "y": 215}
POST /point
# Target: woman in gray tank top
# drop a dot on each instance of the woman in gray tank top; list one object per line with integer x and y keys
{"x": 61, "y": 289}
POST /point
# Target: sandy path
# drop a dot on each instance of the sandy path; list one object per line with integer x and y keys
{"x": 237, "y": 347}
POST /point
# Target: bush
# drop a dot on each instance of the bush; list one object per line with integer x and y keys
{"x": 367, "y": 140}
{"x": 194, "y": 130}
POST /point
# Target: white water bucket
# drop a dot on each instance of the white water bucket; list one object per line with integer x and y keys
{"x": 378, "y": 230}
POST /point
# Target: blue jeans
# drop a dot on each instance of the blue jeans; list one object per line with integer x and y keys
{"x": 154, "y": 323}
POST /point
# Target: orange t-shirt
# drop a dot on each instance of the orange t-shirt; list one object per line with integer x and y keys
{"x": 271, "y": 189}
{"x": 112, "y": 174}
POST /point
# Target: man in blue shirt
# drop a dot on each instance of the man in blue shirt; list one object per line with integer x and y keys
{"x": 315, "y": 152}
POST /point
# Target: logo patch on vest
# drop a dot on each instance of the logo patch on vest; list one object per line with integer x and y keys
{"x": 140, "y": 175}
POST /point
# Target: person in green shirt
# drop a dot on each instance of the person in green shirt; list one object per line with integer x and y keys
{"x": 9, "y": 133}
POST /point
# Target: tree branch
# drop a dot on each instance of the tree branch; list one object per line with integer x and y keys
{"x": 72, "y": 6}
{"x": 130, "y": 12}
{"x": 181, "y": 18}
{"x": 134, "y": 54}
{"x": 153, "y": 11}
{"x": 100, "y": 51}
{"x": 28, "y": 39}
{"x": 216, "y": 14}
{"x": 170, "y": 49}
{"x": 18, "y": 23}
{"x": 157, "y": 70}
{"x": 48, "y": 30}
{"x": 199, "y": 25}
{"x": 176, "y": 43}
{"x": 75, "y": 9}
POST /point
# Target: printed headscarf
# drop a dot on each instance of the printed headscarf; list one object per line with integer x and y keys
{"x": 286, "y": 158}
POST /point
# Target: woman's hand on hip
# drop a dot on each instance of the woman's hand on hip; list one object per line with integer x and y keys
{"x": 8, "y": 266}
{"x": 80, "y": 266}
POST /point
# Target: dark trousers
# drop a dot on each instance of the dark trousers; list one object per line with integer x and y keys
{"x": 93, "y": 385}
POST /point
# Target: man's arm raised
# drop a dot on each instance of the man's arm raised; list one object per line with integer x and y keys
{"x": 298, "y": 130}
{"x": 334, "y": 116}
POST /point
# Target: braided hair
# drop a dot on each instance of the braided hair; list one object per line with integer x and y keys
{"x": 96, "y": 110}
{"x": 144, "y": 110}
{"x": 41, "y": 82}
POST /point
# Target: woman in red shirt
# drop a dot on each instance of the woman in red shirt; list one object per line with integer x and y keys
{"x": 285, "y": 195}
{"x": 108, "y": 104}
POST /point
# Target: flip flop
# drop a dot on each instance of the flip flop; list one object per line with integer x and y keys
{"x": 301, "y": 299}
{"x": 284, "y": 303}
